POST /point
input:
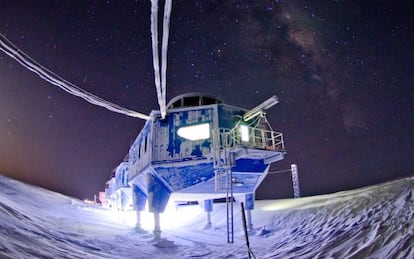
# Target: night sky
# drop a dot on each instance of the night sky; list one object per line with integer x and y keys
{"x": 343, "y": 71}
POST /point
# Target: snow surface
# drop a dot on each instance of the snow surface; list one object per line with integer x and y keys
{"x": 373, "y": 222}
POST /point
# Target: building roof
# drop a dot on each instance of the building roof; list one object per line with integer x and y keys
{"x": 192, "y": 99}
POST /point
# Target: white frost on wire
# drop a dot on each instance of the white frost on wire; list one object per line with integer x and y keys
{"x": 11, "y": 50}
{"x": 164, "y": 50}
{"x": 155, "y": 58}
{"x": 160, "y": 80}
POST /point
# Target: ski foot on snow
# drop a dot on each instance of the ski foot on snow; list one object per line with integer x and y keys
{"x": 142, "y": 233}
{"x": 162, "y": 243}
{"x": 262, "y": 232}
{"x": 199, "y": 254}
{"x": 208, "y": 226}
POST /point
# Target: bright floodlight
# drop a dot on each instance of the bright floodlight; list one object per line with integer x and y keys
{"x": 244, "y": 130}
{"x": 195, "y": 132}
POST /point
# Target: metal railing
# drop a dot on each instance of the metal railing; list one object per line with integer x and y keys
{"x": 257, "y": 138}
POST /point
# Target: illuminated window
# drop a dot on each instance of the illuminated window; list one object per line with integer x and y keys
{"x": 244, "y": 131}
{"x": 195, "y": 132}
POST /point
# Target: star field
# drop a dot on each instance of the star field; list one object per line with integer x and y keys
{"x": 341, "y": 69}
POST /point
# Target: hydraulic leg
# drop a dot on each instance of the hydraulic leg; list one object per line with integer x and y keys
{"x": 208, "y": 208}
{"x": 158, "y": 196}
{"x": 139, "y": 198}
{"x": 249, "y": 201}
{"x": 157, "y": 227}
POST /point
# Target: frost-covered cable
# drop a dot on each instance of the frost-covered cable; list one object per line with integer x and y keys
{"x": 160, "y": 76}
{"x": 11, "y": 50}
{"x": 155, "y": 55}
{"x": 164, "y": 51}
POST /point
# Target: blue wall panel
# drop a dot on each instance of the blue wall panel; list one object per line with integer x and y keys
{"x": 249, "y": 165}
{"x": 186, "y": 176}
{"x": 168, "y": 146}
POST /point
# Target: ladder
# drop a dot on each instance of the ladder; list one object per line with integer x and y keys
{"x": 223, "y": 162}
{"x": 229, "y": 207}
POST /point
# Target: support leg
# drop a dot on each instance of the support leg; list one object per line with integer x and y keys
{"x": 249, "y": 220}
{"x": 158, "y": 196}
{"x": 139, "y": 198}
{"x": 138, "y": 224}
{"x": 208, "y": 225}
{"x": 208, "y": 208}
{"x": 157, "y": 227}
{"x": 249, "y": 201}
{"x": 123, "y": 201}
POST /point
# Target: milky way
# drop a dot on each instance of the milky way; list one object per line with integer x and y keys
{"x": 341, "y": 69}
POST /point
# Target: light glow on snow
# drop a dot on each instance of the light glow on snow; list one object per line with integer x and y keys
{"x": 373, "y": 222}
{"x": 284, "y": 204}
{"x": 195, "y": 132}
{"x": 174, "y": 217}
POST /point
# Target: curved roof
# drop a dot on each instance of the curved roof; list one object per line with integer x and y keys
{"x": 192, "y": 99}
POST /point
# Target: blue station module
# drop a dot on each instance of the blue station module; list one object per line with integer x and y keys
{"x": 118, "y": 193}
{"x": 202, "y": 150}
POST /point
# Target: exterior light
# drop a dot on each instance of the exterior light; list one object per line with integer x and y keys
{"x": 259, "y": 110}
{"x": 244, "y": 131}
{"x": 195, "y": 132}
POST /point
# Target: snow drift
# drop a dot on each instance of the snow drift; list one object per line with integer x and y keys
{"x": 372, "y": 222}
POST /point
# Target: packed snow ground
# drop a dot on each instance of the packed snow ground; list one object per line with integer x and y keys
{"x": 373, "y": 222}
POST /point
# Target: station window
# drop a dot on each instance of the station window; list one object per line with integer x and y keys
{"x": 195, "y": 132}
{"x": 208, "y": 101}
{"x": 192, "y": 101}
{"x": 139, "y": 151}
